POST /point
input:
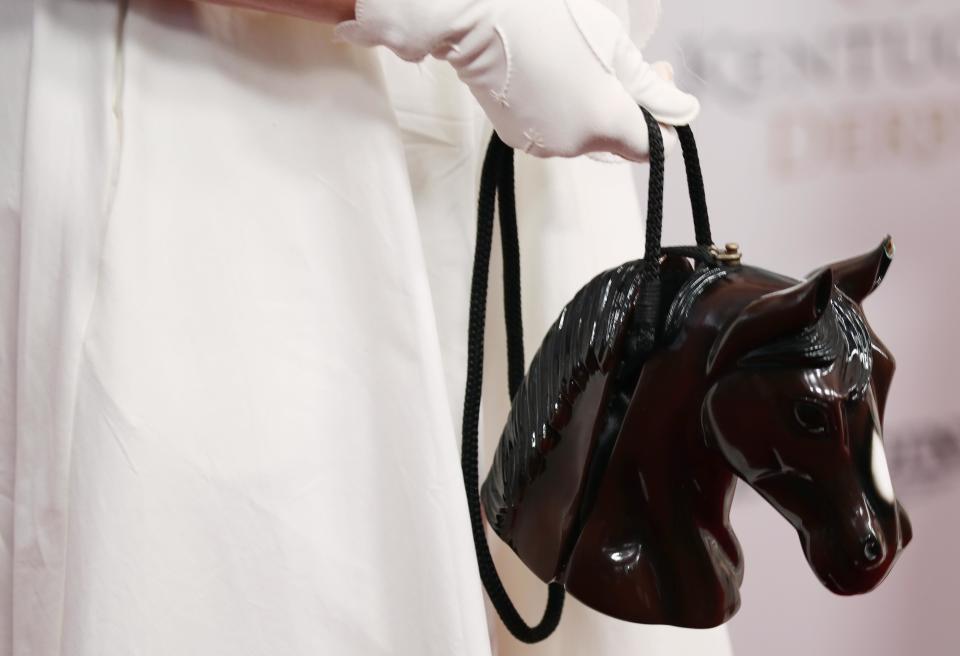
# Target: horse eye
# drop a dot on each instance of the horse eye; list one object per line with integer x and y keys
{"x": 811, "y": 416}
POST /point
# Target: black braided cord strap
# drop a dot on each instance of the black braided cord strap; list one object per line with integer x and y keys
{"x": 497, "y": 174}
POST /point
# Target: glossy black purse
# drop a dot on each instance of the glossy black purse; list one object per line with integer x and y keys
{"x": 661, "y": 382}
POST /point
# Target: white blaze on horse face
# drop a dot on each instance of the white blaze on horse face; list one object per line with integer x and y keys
{"x": 878, "y": 466}
{"x": 878, "y": 456}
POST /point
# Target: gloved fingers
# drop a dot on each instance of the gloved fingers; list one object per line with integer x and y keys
{"x": 660, "y": 96}
{"x": 623, "y": 131}
{"x": 670, "y": 141}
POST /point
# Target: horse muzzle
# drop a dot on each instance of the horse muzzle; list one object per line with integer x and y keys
{"x": 855, "y": 559}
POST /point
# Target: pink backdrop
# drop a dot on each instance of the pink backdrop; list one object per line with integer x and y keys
{"x": 826, "y": 125}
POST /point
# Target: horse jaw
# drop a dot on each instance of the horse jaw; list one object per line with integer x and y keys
{"x": 642, "y": 560}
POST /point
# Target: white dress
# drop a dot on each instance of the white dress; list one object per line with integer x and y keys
{"x": 234, "y": 273}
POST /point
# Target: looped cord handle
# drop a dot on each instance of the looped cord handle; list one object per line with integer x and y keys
{"x": 698, "y": 201}
{"x": 496, "y": 183}
{"x": 497, "y": 190}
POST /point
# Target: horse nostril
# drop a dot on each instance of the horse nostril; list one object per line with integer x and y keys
{"x": 872, "y": 549}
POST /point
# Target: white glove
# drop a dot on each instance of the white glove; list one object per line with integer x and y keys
{"x": 555, "y": 77}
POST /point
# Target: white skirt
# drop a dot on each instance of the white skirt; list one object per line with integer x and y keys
{"x": 234, "y": 274}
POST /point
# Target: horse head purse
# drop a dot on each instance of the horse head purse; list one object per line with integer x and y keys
{"x": 662, "y": 382}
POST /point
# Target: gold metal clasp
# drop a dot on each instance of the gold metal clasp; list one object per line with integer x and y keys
{"x": 729, "y": 255}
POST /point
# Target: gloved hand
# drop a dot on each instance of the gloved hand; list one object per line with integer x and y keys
{"x": 555, "y": 77}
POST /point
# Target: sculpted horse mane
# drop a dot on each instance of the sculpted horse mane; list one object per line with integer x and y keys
{"x": 572, "y": 352}
{"x": 616, "y": 467}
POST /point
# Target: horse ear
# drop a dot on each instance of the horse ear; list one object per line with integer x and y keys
{"x": 772, "y": 316}
{"x": 860, "y": 275}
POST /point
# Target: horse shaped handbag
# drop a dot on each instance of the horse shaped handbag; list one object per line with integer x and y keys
{"x": 662, "y": 382}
